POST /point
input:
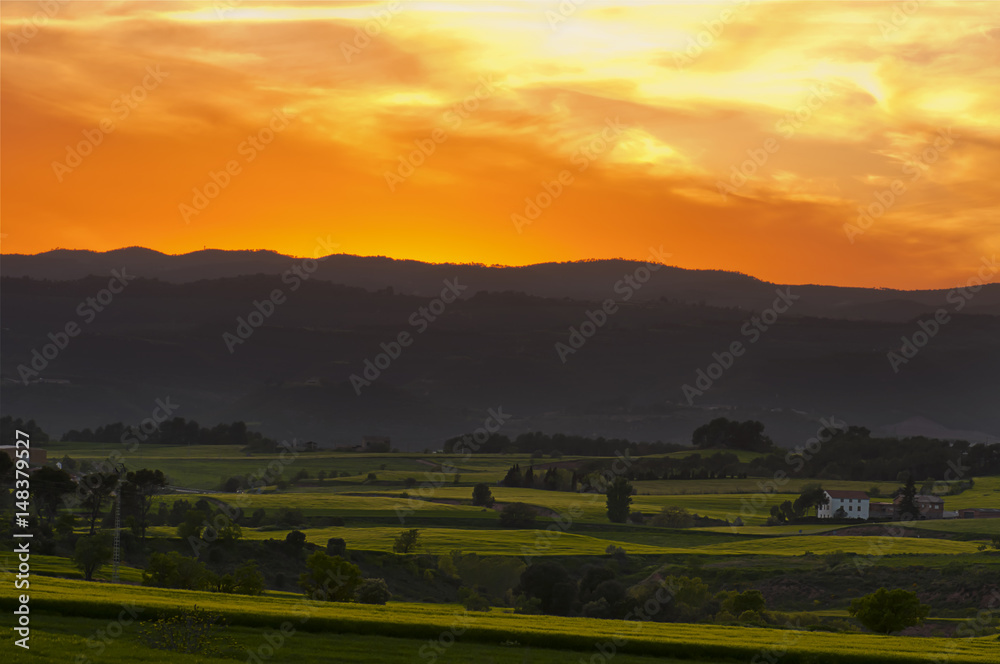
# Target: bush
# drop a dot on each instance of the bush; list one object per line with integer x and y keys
{"x": 472, "y": 600}
{"x": 336, "y": 546}
{"x": 673, "y": 517}
{"x": 886, "y": 611}
{"x": 295, "y": 539}
{"x": 372, "y": 591}
{"x": 322, "y": 570}
{"x": 597, "y": 609}
{"x": 247, "y": 579}
{"x": 518, "y": 515}
{"x": 172, "y": 570}
{"x": 194, "y": 632}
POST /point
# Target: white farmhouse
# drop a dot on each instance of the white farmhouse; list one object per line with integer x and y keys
{"x": 854, "y": 503}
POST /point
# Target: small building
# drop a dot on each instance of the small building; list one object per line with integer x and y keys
{"x": 881, "y": 510}
{"x": 36, "y": 455}
{"x": 376, "y": 444}
{"x": 979, "y": 513}
{"x": 854, "y": 504}
{"x": 929, "y": 507}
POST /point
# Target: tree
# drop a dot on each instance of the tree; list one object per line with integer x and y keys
{"x": 518, "y": 515}
{"x": 812, "y": 495}
{"x": 336, "y": 546}
{"x": 330, "y": 578}
{"x": 372, "y": 591}
{"x": 141, "y": 487}
{"x": 481, "y": 495}
{"x": 513, "y": 476}
{"x": 247, "y": 579}
{"x": 92, "y": 553}
{"x": 295, "y": 539}
{"x": 550, "y": 583}
{"x": 725, "y": 433}
{"x": 619, "y": 499}
{"x": 673, "y": 517}
{"x": 172, "y": 570}
{"x": 100, "y": 486}
{"x": 194, "y": 522}
{"x": 48, "y": 486}
{"x": 908, "y": 505}
{"x": 406, "y": 542}
{"x": 886, "y": 611}
{"x": 6, "y": 468}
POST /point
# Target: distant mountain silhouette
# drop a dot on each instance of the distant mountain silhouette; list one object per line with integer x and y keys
{"x": 585, "y": 280}
{"x": 495, "y": 347}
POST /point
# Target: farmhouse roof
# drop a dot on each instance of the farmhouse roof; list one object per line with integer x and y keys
{"x": 834, "y": 493}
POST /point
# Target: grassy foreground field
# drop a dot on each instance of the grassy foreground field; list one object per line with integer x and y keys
{"x": 704, "y": 643}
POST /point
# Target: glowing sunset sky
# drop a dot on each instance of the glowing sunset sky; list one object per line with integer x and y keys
{"x": 848, "y": 98}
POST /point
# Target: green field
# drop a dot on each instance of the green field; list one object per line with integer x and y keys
{"x": 706, "y": 643}
{"x": 572, "y": 529}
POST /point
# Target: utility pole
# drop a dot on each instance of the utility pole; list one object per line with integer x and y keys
{"x": 116, "y": 555}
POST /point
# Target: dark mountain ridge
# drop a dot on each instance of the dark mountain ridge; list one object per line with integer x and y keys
{"x": 584, "y": 280}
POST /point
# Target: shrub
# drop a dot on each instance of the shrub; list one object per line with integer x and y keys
{"x": 597, "y": 609}
{"x": 295, "y": 539}
{"x": 372, "y": 591}
{"x": 888, "y": 611}
{"x": 336, "y": 546}
{"x": 673, "y": 517}
{"x": 247, "y": 579}
{"x": 472, "y": 600}
{"x": 172, "y": 570}
{"x": 322, "y": 570}
{"x": 518, "y": 515}
{"x": 194, "y": 632}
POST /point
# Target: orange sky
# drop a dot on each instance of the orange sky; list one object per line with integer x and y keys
{"x": 873, "y": 86}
